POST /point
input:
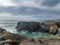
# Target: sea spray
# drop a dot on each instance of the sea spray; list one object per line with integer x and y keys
{"x": 9, "y": 26}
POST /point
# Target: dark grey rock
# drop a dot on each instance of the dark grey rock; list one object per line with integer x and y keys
{"x": 29, "y": 26}
{"x": 58, "y": 23}
{"x": 45, "y": 27}
{"x": 2, "y": 30}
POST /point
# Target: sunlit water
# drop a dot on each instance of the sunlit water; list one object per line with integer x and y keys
{"x": 10, "y": 27}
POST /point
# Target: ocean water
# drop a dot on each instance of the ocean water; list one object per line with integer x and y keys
{"x": 35, "y": 35}
{"x": 10, "y": 27}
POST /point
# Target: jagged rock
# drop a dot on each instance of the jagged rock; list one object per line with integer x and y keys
{"x": 50, "y": 27}
{"x": 13, "y": 39}
{"x": 58, "y": 23}
{"x": 29, "y": 26}
{"x": 5, "y": 42}
{"x": 2, "y": 30}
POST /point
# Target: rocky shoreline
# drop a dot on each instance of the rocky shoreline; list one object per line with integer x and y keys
{"x": 16, "y": 39}
{"x": 7, "y": 38}
{"x": 50, "y": 27}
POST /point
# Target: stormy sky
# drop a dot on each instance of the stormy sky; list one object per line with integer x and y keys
{"x": 29, "y": 9}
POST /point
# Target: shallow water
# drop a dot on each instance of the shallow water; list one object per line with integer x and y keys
{"x": 35, "y": 34}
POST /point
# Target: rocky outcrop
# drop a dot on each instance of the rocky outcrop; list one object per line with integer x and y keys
{"x": 2, "y": 30}
{"x": 29, "y": 26}
{"x": 11, "y": 39}
{"x": 41, "y": 42}
{"x": 58, "y": 23}
{"x": 16, "y": 39}
{"x": 48, "y": 27}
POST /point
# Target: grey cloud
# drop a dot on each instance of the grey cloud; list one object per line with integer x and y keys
{"x": 15, "y": 1}
{"x": 37, "y": 12}
{"x": 50, "y": 2}
{"x": 30, "y": 3}
{"x": 28, "y": 11}
{"x": 21, "y": 10}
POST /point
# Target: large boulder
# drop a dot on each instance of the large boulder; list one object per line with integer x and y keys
{"x": 29, "y": 26}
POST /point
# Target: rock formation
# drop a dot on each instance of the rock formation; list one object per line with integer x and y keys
{"x": 29, "y": 26}
{"x": 48, "y": 27}
{"x": 17, "y": 39}
{"x": 58, "y": 23}
{"x": 11, "y": 39}
{"x": 2, "y": 30}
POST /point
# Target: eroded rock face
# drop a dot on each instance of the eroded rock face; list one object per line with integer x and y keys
{"x": 29, "y": 26}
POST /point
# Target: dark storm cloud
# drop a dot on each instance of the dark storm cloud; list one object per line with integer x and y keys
{"x": 27, "y": 11}
{"x": 50, "y": 2}
{"x": 30, "y": 10}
